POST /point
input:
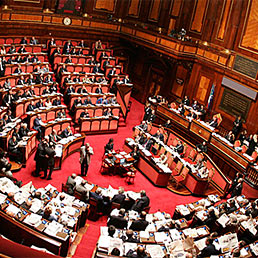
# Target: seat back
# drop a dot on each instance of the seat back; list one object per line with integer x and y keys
{"x": 211, "y": 174}
{"x": 192, "y": 154}
{"x": 237, "y": 144}
{"x": 184, "y": 172}
{"x": 254, "y": 155}
{"x": 179, "y": 166}
{"x": 244, "y": 148}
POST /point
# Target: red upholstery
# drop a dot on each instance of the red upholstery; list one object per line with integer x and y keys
{"x": 85, "y": 126}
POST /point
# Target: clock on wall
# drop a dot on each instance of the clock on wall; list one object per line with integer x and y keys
{"x": 67, "y": 21}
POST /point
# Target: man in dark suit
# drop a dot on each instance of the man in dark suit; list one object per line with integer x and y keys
{"x": 119, "y": 197}
{"x": 68, "y": 60}
{"x": 87, "y": 101}
{"x": 2, "y": 68}
{"x": 105, "y": 63}
{"x": 39, "y": 104}
{"x": 21, "y": 81}
{"x": 126, "y": 80}
{"x": 40, "y": 157}
{"x": 159, "y": 136}
{"x": 50, "y": 152}
{"x": 33, "y": 41}
{"x": 57, "y": 101}
{"x": 14, "y": 150}
{"x": 70, "y": 90}
{"x": 142, "y": 202}
{"x": 61, "y": 114}
{"x": 30, "y": 107}
{"x": 103, "y": 204}
{"x": 70, "y": 183}
{"x": 31, "y": 92}
{"x": 209, "y": 249}
{"x": 8, "y": 99}
{"x": 18, "y": 69}
{"x": 66, "y": 132}
{"x": 119, "y": 221}
{"x": 24, "y": 41}
{"x": 202, "y": 147}
{"x": 22, "y": 49}
{"x": 67, "y": 48}
{"x": 37, "y": 125}
{"x": 140, "y": 224}
{"x": 23, "y": 131}
{"x": 148, "y": 143}
{"x": 85, "y": 158}
{"x": 179, "y": 147}
{"x": 30, "y": 80}
{"x": 238, "y": 188}
{"x": 152, "y": 117}
{"x": 54, "y": 138}
{"x": 96, "y": 69}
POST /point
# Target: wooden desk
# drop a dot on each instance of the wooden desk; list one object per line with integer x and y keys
{"x": 98, "y": 125}
{"x": 76, "y": 68}
{"x": 40, "y": 56}
{"x": 81, "y": 75}
{"x": 46, "y": 114}
{"x": 96, "y": 111}
{"x": 29, "y": 48}
{"x": 149, "y": 169}
{"x": 29, "y": 148}
{"x": 20, "y": 106}
{"x": 68, "y": 150}
{"x": 166, "y": 113}
{"x": 58, "y": 125}
{"x": 90, "y": 87}
{"x": 201, "y": 130}
{"x": 85, "y": 50}
{"x": 195, "y": 184}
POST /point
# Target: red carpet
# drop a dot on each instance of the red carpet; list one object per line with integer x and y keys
{"x": 161, "y": 199}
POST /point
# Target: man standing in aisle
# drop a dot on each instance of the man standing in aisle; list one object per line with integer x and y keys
{"x": 85, "y": 156}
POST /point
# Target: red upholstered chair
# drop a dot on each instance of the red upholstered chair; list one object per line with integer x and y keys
{"x": 48, "y": 131}
{"x": 57, "y": 127}
{"x": 162, "y": 150}
{"x": 179, "y": 179}
{"x": 70, "y": 68}
{"x": 31, "y": 49}
{"x": 254, "y": 155}
{"x": 244, "y": 149}
{"x": 36, "y": 49}
{"x": 2, "y": 41}
{"x": 86, "y": 69}
{"x": 44, "y": 117}
{"x": 104, "y": 125}
{"x": 199, "y": 156}
{"x": 81, "y": 60}
{"x": 59, "y": 42}
{"x": 19, "y": 109}
{"x": 177, "y": 170}
{"x": 175, "y": 142}
{"x": 85, "y": 51}
{"x": 98, "y": 112}
{"x": 184, "y": 151}
{"x": 93, "y": 100}
{"x": 64, "y": 126}
{"x": 130, "y": 176}
{"x": 91, "y": 112}
{"x": 29, "y": 68}
{"x": 95, "y": 126}
{"x": 211, "y": 174}
{"x": 78, "y": 69}
{"x": 170, "y": 161}
{"x": 116, "y": 111}
{"x": 237, "y": 144}
{"x": 51, "y": 115}
{"x": 173, "y": 105}
{"x": 192, "y": 155}
{"x": 86, "y": 126}
{"x": 113, "y": 124}
{"x": 104, "y": 89}
{"x": 9, "y": 41}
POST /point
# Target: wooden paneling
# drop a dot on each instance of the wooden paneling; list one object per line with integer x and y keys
{"x": 199, "y": 15}
{"x": 105, "y": 5}
{"x": 155, "y": 10}
{"x": 175, "y": 9}
{"x": 227, "y": 7}
{"x": 250, "y": 39}
{"x": 26, "y": 17}
{"x": 177, "y": 88}
{"x": 202, "y": 89}
{"x": 134, "y": 7}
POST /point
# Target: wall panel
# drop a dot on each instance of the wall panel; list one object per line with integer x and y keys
{"x": 105, "y": 5}
{"x": 134, "y": 8}
{"x": 155, "y": 10}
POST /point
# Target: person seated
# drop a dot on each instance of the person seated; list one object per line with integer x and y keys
{"x": 10, "y": 117}
{"x": 61, "y": 114}
{"x": 68, "y": 60}
{"x": 111, "y": 231}
{"x": 135, "y": 153}
{"x": 102, "y": 100}
{"x": 19, "y": 59}
{"x": 186, "y": 101}
{"x": 144, "y": 126}
{"x": 70, "y": 184}
{"x": 24, "y": 130}
{"x": 168, "y": 124}
{"x": 53, "y": 88}
{"x": 57, "y": 101}
{"x": 12, "y": 50}
{"x": 242, "y": 136}
{"x": 119, "y": 221}
{"x": 230, "y": 137}
{"x": 76, "y": 79}
{"x": 179, "y": 147}
{"x": 30, "y": 80}
{"x": 7, "y": 84}
{"x": 87, "y": 101}
{"x": 84, "y": 114}
{"x": 148, "y": 143}
{"x": 79, "y": 52}
{"x": 108, "y": 112}
{"x": 98, "y": 45}
{"x": 130, "y": 237}
{"x": 103, "y": 204}
{"x": 18, "y": 70}
{"x": 126, "y": 80}
{"x": 181, "y": 109}
{"x": 119, "y": 197}
{"x": 209, "y": 250}
{"x": 158, "y": 135}
{"x": 163, "y": 159}
{"x": 34, "y": 59}
{"x": 195, "y": 105}
{"x": 109, "y": 146}
{"x": 17, "y": 95}
{"x": 191, "y": 115}
{"x": 140, "y": 224}
{"x": 47, "y": 214}
{"x": 152, "y": 117}
{"x": 5, "y": 120}
{"x": 102, "y": 80}
{"x": 39, "y": 78}
{"x": 24, "y": 41}
{"x": 202, "y": 147}
{"x": 201, "y": 112}
{"x": 37, "y": 125}
{"x": 30, "y": 107}
{"x": 40, "y": 104}
{"x": 48, "y": 79}
{"x": 99, "y": 90}
{"x": 92, "y": 61}
{"x": 54, "y": 138}
{"x": 213, "y": 123}
{"x": 70, "y": 90}
{"x": 82, "y": 90}
{"x": 112, "y": 101}
{"x": 14, "y": 150}
{"x": 80, "y": 188}
{"x": 48, "y": 103}
{"x": 22, "y": 50}
{"x": 46, "y": 91}
{"x": 33, "y": 41}
{"x": 66, "y": 132}
{"x": 67, "y": 48}
{"x": 140, "y": 138}
{"x": 142, "y": 202}
{"x": 97, "y": 69}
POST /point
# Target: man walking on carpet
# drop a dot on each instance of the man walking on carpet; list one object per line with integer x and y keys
{"x": 85, "y": 156}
